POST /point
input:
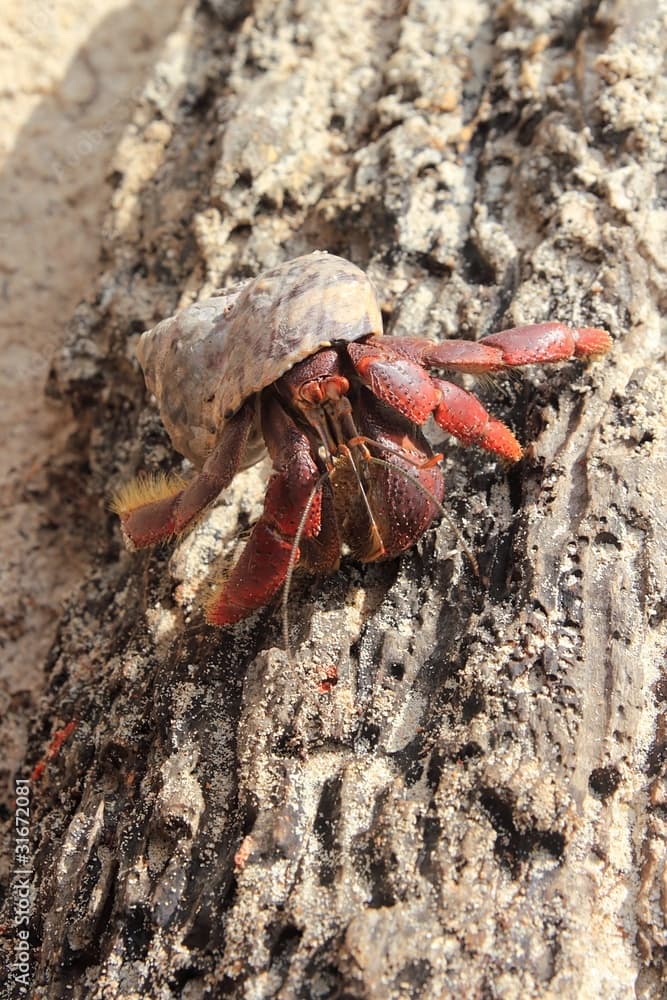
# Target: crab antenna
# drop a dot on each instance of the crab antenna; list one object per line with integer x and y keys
{"x": 344, "y": 449}
{"x": 452, "y": 524}
{"x": 357, "y": 476}
{"x": 292, "y": 561}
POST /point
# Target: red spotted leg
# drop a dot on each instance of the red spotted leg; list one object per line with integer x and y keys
{"x": 152, "y": 509}
{"x": 264, "y": 562}
{"x": 394, "y": 368}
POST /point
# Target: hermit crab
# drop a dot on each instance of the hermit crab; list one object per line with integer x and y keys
{"x": 295, "y": 361}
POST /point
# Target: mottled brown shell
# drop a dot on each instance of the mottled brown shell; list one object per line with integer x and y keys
{"x": 202, "y": 363}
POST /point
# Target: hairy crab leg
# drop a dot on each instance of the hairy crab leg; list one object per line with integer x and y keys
{"x": 152, "y": 509}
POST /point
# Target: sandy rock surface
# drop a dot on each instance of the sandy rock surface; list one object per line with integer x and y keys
{"x": 71, "y": 75}
{"x": 476, "y": 806}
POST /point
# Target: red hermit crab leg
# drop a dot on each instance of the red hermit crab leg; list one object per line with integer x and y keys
{"x": 537, "y": 343}
{"x": 263, "y": 564}
{"x": 541, "y": 343}
{"x": 392, "y": 368}
{"x": 408, "y": 388}
{"x": 153, "y": 509}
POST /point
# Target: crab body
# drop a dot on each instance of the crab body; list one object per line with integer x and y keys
{"x": 295, "y": 360}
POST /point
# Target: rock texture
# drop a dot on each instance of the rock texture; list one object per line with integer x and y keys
{"x": 70, "y": 75}
{"x": 455, "y": 787}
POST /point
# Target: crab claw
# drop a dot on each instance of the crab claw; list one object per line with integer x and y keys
{"x": 461, "y": 414}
